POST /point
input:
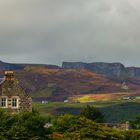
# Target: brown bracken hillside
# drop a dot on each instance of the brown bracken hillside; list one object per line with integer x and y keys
{"x": 58, "y": 84}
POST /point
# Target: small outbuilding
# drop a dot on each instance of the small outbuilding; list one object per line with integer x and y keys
{"x": 126, "y": 98}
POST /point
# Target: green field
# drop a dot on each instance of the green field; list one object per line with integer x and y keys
{"x": 113, "y": 111}
{"x": 43, "y": 93}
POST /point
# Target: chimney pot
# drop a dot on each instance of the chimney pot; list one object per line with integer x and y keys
{"x": 9, "y": 75}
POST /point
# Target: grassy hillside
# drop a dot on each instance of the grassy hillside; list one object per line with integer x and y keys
{"x": 121, "y": 112}
{"x": 117, "y": 96}
{"x": 66, "y": 82}
{"x": 113, "y": 111}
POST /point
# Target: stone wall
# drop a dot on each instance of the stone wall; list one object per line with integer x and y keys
{"x": 9, "y": 89}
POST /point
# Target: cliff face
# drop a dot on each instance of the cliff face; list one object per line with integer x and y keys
{"x": 133, "y": 71}
{"x": 114, "y": 70}
{"x": 109, "y": 69}
{"x": 10, "y": 66}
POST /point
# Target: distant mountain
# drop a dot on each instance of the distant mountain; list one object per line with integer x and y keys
{"x": 114, "y": 70}
{"x": 11, "y": 66}
{"x": 133, "y": 71}
{"x": 54, "y": 83}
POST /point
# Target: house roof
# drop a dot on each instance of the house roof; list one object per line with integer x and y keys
{"x": 2, "y": 80}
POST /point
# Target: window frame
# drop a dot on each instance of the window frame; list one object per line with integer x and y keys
{"x": 17, "y": 101}
{"x": 5, "y": 102}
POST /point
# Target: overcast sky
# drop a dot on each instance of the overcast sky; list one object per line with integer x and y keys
{"x": 52, "y": 31}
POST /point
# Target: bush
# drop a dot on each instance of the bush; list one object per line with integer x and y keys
{"x": 69, "y": 127}
{"x": 92, "y": 113}
{"x": 21, "y": 126}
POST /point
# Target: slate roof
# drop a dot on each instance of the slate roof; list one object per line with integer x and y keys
{"x": 2, "y": 80}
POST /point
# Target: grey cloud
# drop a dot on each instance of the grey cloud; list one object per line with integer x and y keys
{"x": 52, "y": 31}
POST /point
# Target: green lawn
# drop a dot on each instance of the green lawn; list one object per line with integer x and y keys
{"x": 113, "y": 111}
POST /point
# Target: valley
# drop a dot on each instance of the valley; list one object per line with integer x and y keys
{"x": 68, "y": 89}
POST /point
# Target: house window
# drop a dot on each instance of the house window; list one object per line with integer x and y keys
{"x": 14, "y": 102}
{"x": 3, "y": 102}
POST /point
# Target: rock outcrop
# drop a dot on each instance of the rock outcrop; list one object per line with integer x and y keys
{"x": 116, "y": 70}
{"x": 11, "y": 66}
{"x": 133, "y": 71}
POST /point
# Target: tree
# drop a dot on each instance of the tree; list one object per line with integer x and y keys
{"x": 64, "y": 122}
{"x": 135, "y": 124}
{"x": 92, "y": 113}
{"x": 84, "y": 129}
{"x": 69, "y": 127}
{"x": 21, "y": 126}
{"x": 31, "y": 124}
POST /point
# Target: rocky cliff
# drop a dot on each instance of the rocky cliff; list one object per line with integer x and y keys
{"x": 114, "y": 70}
{"x": 10, "y": 66}
{"x": 133, "y": 71}
{"x": 108, "y": 69}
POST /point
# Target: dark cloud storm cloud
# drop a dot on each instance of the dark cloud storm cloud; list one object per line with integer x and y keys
{"x": 52, "y": 31}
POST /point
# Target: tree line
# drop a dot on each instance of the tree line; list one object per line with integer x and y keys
{"x": 86, "y": 126}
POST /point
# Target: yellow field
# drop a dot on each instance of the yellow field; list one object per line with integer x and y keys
{"x": 102, "y": 97}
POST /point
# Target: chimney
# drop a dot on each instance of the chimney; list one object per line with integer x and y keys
{"x": 9, "y": 75}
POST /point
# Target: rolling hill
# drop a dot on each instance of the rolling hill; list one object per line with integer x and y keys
{"x": 53, "y": 83}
